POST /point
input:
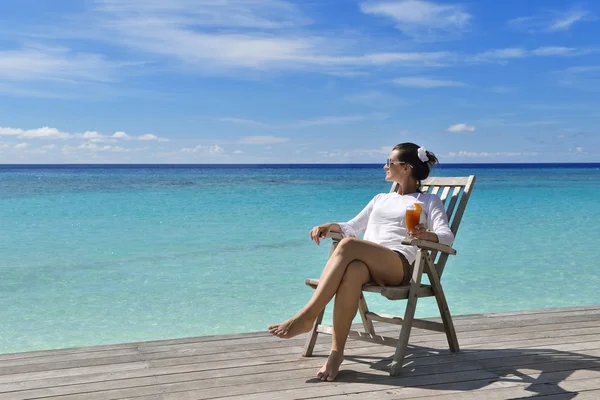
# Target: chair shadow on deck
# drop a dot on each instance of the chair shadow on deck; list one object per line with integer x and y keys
{"x": 541, "y": 370}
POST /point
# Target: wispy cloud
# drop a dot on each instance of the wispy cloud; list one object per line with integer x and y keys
{"x": 512, "y": 53}
{"x": 243, "y": 121}
{"x": 551, "y": 21}
{"x": 500, "y": 54}
{"x": 331, "y": 120}
{"x": 262, "y": 140}
{"x": 461, "y": 128}
{"x": 422, "y": 20}
{"x": 355, "y": 153}
{"x": 375, "y": 98}
{"x": 586, "y": 77}
{"x": 251, "y": 35}
{"x": 59, "y": 64}
{"x": 423, "y": 82}
{"x": 304, "y": 123}
{"x": 501, "y": 89}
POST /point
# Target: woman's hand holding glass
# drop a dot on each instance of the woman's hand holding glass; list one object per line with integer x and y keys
{"x": 419, "y": 232}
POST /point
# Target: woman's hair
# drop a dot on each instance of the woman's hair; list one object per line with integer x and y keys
{"x": 409, "y": 153}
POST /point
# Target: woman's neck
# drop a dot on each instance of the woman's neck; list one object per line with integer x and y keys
{"x": 407, "y": 188}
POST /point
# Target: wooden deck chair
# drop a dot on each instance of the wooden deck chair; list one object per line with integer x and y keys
{"x": 431, "y": 259}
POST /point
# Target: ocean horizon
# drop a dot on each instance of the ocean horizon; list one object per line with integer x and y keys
{"x": 308, "y": 165}
{"x": 110, "y": 253}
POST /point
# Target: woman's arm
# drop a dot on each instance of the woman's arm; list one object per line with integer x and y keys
{"x": 437, "y": 221}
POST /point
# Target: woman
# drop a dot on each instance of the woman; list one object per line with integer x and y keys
{"x": 380, "y": 257}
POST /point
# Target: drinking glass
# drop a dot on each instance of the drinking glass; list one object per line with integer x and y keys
{"x": 413, "y": 216}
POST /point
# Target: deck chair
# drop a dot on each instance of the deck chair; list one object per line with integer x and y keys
{"x": 431, "y": 259}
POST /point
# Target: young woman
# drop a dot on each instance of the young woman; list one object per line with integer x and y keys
{"x": 379, "y": 257}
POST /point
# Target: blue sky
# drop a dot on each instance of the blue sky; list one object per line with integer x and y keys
{"x": 313, "y": 81}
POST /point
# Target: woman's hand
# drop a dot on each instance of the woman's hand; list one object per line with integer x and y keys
{"x": 420, "y": 232}
{"x": 319, "y": 232}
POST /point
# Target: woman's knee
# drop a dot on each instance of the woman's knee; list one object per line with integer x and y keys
{"x": 346, "y": 245}
{"x": 356, "y": 273}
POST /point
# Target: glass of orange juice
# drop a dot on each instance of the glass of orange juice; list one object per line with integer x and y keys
{"x": 413, "y": 216}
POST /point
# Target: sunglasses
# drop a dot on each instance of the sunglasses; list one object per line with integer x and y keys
{"x": 389, "y": 163}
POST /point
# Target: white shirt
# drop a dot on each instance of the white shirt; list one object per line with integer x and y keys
{"x": 383, "y": 221}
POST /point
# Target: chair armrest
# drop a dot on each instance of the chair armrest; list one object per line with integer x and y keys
{"x": 334, "y": 235}
{"x": 427, "y": 245}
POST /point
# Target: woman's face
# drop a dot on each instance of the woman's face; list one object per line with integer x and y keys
{"x": 395, "y": 170}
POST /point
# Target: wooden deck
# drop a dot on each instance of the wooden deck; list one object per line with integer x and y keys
{"x": 550, "y": 353}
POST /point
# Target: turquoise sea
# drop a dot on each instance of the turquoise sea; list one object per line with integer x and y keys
{"x": 107, "y": 254}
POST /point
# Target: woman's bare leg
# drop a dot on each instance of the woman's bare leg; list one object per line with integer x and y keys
{"x": 344, "y": 311}
{"x": 385, "y": 268}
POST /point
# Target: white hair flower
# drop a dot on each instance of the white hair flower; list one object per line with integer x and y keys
{"x": 422, "y": 153}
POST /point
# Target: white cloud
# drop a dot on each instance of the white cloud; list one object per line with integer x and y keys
{"x": 20, "y": 146}
{"x": 579, "y": 149}
{"x": 150, "y": 136}
{"x": 216, "y": 149}
{"x": 43, "y": 133}
{"x": 192, "y": 149}
{"x": 461, "y": 128}
{"x": 262, "y": 140}
{"x": 120, "y": 135}
{"x": 551, "y": 21}
{"x": 238, "y": 152}
{"x": 92, "y": 136}
{"x": 425, "y": 82}
{"x": 422, "y": 20}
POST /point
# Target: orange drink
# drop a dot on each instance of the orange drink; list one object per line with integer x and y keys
{"x": 413, "y": 216}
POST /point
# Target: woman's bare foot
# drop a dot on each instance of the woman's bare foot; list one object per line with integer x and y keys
{"x": 292, "y": 327}
{"x": 329, "y": 370}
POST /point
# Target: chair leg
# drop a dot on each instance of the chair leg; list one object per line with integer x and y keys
{"x": 409, "y": 315}
{"x": 311, "y": 340}
{"x": 363, "y": 309}
{"x": 436, "y": 286}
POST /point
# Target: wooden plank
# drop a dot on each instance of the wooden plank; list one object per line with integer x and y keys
{"x": 431, "y": 339}
{"x": 467, "y": 332}
{"x": 293, "y": 375}
{"x": 494, "y": 390}
{"x": 363, "y": 309}
{"x": 444, "y": 194}
{"x": 445, "y": 181}
{"x": 576, "y": 335}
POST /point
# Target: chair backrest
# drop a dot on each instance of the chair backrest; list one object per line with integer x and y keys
{"x": 455, "y": 193}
